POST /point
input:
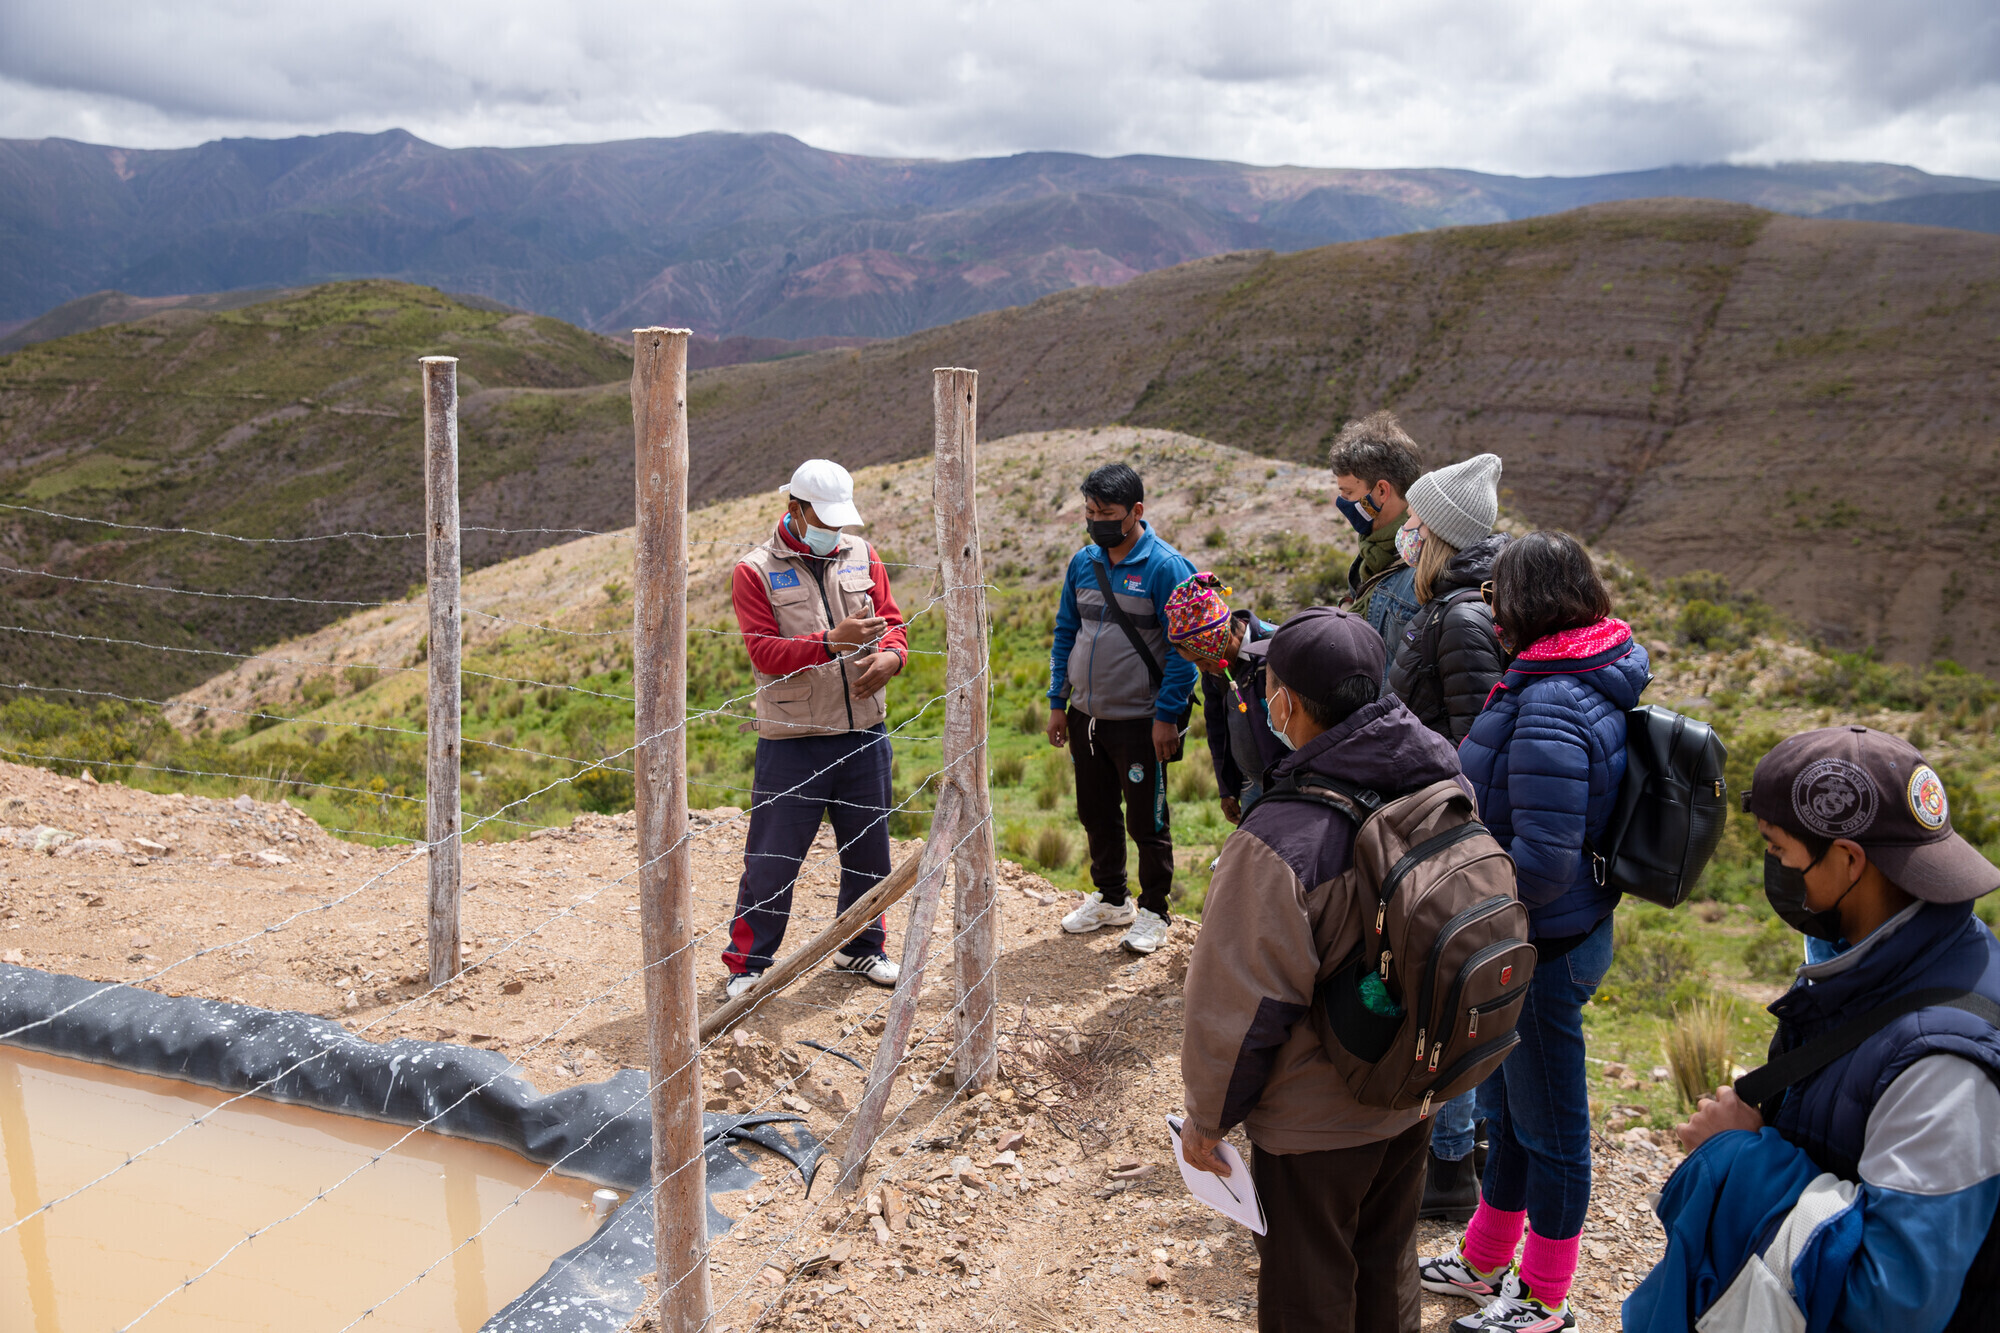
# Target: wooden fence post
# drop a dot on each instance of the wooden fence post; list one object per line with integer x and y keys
{"x": 666, "y": 880}
{"x": 946, "y": 821}
{"x": 441, "y": 796}
{"x": 955, "y": 408}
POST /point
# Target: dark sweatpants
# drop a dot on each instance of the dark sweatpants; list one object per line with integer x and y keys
{"x": 1341, "y": 1253}
{"x": 844, "y": 777}
{"x": 1114, "y": 760}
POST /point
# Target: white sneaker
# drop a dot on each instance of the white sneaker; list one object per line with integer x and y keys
{"x": 740, "y": 984}
{"x": 872, "y": 966}
{"x": 1148, "y": 932}
{"x": 1524, "y": 1314}
{"x": 1095, "y": 914}
{"x": 1450, "y": 1275}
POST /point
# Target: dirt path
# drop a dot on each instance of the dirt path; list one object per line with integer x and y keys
{"x": 250, "y": 902}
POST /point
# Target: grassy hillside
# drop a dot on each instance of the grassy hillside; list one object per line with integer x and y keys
{"x": 287, "y": 418}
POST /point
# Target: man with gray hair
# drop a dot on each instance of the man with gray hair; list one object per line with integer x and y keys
{"x": 1375, "y": 463}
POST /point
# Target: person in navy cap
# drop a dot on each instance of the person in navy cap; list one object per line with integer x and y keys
{"x": 1852, "y": 1182}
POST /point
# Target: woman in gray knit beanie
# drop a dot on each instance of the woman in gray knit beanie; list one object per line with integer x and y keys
{"x": 1443, "y": 668}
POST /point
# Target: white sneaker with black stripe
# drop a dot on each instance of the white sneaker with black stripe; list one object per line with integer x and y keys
{"x": 870, "y": 966}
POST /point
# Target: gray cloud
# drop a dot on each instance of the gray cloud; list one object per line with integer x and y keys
{"x": 1531, "y": 86}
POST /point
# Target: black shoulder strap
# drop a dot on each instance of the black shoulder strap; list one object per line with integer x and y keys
{"x": 1124, "y": 621}
{"x": 1356, "y": 802}
{"x": 1761, "y": 1085}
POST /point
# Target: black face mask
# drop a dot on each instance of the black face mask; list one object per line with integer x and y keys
{"x": 1107, "y": 532}
{"x": 1785, "y": 888}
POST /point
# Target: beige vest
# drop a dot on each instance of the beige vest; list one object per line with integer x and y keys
{"x": 814, "y": 701}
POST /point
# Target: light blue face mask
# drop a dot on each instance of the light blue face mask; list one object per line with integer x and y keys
{"x": 1283, "y": 739}
{"x": 820, "y": 541}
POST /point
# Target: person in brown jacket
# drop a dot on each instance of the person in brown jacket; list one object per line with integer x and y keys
{"x": 1340, "y": 1182}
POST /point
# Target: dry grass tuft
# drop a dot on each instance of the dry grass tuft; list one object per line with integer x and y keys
{"x": 1698, "y": 1047}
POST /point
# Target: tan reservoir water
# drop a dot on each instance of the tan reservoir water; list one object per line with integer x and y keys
{"x": 99, "y": 1260}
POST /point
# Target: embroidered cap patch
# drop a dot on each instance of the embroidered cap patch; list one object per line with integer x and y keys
{"x": 1927, "y": 798}
{"x": 1834, "y": 798}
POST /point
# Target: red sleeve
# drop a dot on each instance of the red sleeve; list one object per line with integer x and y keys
{"x": 770, "y": 654}
{"x": 896, "y": 639}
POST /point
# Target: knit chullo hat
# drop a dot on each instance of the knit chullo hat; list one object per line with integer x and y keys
{"x": 1459, "y": 503}
{"x": 1198, "y": 617}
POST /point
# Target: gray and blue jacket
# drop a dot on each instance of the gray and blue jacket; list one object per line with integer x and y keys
{"x": 1092, "y": 665}
{"x": 1873, "y": 1195}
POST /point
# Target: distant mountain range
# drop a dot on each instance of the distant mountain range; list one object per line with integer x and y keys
{"x": 761, "y": 236}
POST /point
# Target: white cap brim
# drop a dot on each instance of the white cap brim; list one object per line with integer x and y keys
{"x": 838, "y": 513}
{"x": 833, "y": 513}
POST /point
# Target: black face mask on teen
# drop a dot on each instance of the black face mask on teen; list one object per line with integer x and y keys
{"x": 1785, "y": 889}
{"x": 1107, "y": 532}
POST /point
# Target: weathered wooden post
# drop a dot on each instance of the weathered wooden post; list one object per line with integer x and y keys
{"x": 961, "y": 833}
{"x": 441, "y": 797}
{"x": 946, "y": 821}
{"x": 666, "y": 879}
{"x": 955, "y": 408}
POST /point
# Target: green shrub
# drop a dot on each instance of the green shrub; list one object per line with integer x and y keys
{"x": 1194, "y": 782}
{"x": 1032, "y": 720}
{"x": 1652, "y": 968}
{"x": 605, "y": 790}
{"x": 1774, "y": 952}
{"x": 1052, "y": 849}
{"x": 1008, "y": 770}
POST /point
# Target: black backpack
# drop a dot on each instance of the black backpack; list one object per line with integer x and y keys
{"x": 1671, "y": 808}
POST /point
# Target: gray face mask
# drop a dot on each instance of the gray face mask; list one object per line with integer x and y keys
{"x": 1271, "y": 722}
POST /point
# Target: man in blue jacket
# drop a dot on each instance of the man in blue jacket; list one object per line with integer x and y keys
{"x": 1118, "y": 697}
{"x": 1861, "y": 1194}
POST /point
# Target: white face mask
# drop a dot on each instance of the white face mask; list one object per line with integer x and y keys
{"x": 1271, "y": 721}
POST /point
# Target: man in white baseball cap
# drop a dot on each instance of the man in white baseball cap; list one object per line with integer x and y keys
{"x": 825, "y": 636}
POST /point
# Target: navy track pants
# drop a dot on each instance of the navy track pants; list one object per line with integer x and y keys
{"x": 799, "y": 782}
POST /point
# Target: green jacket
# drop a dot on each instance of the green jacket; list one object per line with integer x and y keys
{"x": 1378, "y": 555}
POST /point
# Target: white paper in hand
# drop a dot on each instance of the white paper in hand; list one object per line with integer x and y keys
{"x": 1234, "y": 1196}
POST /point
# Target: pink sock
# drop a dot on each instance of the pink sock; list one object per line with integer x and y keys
{"x": 1548, "y": 1267}
{"x": 1491, "y": 1236}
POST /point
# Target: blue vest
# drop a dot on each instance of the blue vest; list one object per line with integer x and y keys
{"x": 1942, "y": 945}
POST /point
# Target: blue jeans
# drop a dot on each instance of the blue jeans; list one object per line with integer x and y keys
{"x": 1538, "y": 1131}
{"x": 1451, "y": 1134}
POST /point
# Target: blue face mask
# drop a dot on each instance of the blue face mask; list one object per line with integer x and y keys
{"x": 1283, "y": 739}
{"x": 1361, "y": 513}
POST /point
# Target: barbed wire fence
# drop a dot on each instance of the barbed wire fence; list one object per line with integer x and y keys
{"x": 960, "y": 841}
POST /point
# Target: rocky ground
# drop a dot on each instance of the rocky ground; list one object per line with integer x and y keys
{"x": 1048, "y": 1202}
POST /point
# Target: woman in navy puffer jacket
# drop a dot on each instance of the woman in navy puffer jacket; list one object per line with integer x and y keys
{"x": 1545, "y": 758}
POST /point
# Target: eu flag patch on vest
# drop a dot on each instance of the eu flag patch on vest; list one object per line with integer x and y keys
{"x": 784, "y": 578}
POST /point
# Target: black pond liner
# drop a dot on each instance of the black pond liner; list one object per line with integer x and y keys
{"x": 600, "y": 1132}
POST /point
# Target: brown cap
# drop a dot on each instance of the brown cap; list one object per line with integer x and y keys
{"x": 1319, "y": 648}
{"x": 1874, "y": 789}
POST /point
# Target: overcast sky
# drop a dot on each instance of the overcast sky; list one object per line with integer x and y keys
{"x": 1529, "y": 86}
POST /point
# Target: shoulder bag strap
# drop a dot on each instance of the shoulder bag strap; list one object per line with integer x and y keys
{"x": 1124, "y": 622}
{"x": 1762, "y": 1085}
